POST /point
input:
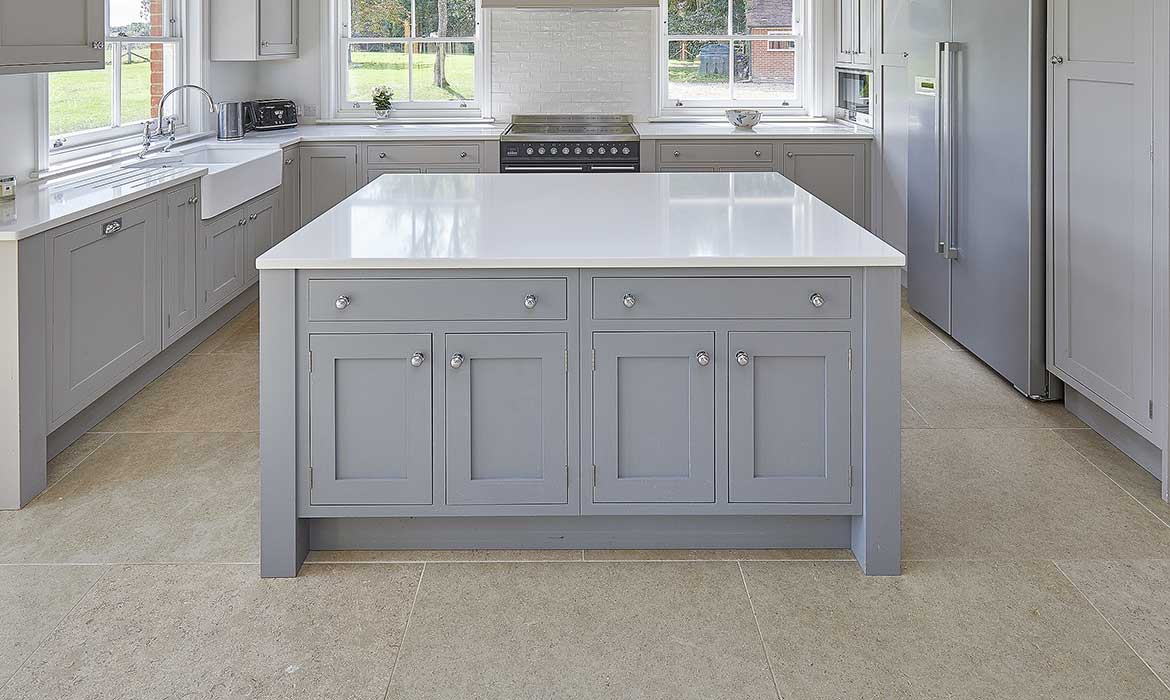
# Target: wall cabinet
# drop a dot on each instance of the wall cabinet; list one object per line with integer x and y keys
{"x": 51, "y": 35}
{"x": 855, "y": 32}
{"x": 104, "y": 304}
{"x": 328, "y": 175}
{"x": 179, "y": 283}
{"x": 833, "y": 171}
{"x": 254, "y": 30}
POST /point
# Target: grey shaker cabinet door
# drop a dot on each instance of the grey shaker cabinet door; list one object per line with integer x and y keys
{"x": 105, "y": 304}
{"x": 328, "y": 175}
{"x": 179, "y": 283}
{"x": 278, "y": 27}
{"x": 57, "y": 35}
{"x": 370, "y": 419}
{"x": 834, "y": 172}
{"x": 221, "y": 260}
{"x": 259, "y": 232}
{"x": 290, "y": 194}
{"x": 653, "y": 418}
{"x": 789, "y": 418}
{"x": 507, "y": 418}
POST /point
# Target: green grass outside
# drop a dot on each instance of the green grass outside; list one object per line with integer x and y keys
{"x": 688, "y": 72}
{"x": 80, "y": 100}
{"x": 372, "y": 68}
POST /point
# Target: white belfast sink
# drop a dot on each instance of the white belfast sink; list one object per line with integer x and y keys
{"x": 235, "y": 173}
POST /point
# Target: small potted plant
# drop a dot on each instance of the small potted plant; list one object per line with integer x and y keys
{"x": 383, "y": 101}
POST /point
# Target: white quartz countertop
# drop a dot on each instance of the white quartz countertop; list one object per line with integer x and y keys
{"x": 580, "y": 221}
{"x": 765, "y": 130}
{"x": 375, "y": 132}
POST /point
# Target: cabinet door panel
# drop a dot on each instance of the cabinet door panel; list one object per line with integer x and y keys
{"x": 261, "y": 228}
{"x": 278, "y": 27}
{"x": 105, "y": 304}
{"x": 179, "y": 283}
{"x": 789, "y": 418}
{"x": 221, "y": 260}
{"x": 51, "y": 35}
{"x": 507, "y": 419}
{"x": 328, "y": 175}
{"x": 290, "y": 194}
{"x": 370, "y": 419}
{"x": 833, "y": 172}
{"x": 653, "y": 418}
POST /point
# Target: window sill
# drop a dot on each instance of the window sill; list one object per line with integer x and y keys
{"x": 122, "y": 149}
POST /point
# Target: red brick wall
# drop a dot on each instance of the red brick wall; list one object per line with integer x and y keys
{"x": 157, "y": 79}
{"x": 778, "y": 66}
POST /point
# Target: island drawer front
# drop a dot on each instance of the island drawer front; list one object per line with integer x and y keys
{"x": 388, "y": 154}
{"x": 760, "y": 152}
{"x": 617, "y": 298}
{"x": 438, "y": 299}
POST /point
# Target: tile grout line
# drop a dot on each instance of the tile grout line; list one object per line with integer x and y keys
{"x": 759, "y": 630}
{"x": 1110, "y": 624}
{"x": 405, "y": 629}
{"x": 108, "y": 437}
{"x": 1093, "y": 464}
{"x": 917, "y": 412}
{"x": 61, "y": 621}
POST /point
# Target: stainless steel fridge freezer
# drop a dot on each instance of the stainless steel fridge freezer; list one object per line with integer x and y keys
{"x": 976, "y": 180}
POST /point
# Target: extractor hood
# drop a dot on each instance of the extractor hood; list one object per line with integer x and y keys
{"x": 568, "y": 4}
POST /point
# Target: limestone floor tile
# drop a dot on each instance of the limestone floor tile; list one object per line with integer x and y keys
{"x": 1135, "y": 597}
{"x": 911, "y": 418}
{"x": 1016, "y": 494}
{"x": 552, "y": 631}
{"x": 1119, "y": 467}
{"x": 202, "y": 393}
{"x": 166, "y": 497}
{"x": 717, "y": 554}
{"x": 932, "y": 329}
{"x": 441, "y": 555}
{"x": 33, "y": 599}
{"x": 917, "y": 338}
{"x": 955, "y": 390}
{"x": 74, "y": 455}
{"x": 220, "y": 631}
{"x": 241, "y": 334}
{"x": 959, "y": 630}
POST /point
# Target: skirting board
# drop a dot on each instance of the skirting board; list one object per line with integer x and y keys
{"x": 583, "y": 532}
{"x": 1119, "y": 434}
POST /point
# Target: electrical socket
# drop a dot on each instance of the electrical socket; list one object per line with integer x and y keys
{"x": 307, "y": 110}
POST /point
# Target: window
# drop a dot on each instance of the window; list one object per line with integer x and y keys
{"x": 734, "y": 53}
{"x": 143, "y": 60}
{"x": 423, "y": 50}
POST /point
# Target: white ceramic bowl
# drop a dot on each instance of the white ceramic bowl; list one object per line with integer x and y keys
{"x": 743, "y": 118}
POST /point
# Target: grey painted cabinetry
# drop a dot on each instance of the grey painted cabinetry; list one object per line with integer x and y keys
{"x": 328, "y": 175}
{"x": 262, "y": 217}
{"x": 253, "y": 30}
{"x": 855, "y": 33}
{"x": 60, "y": 35}
{"x": 220, "y": 260}
{"x": 437, "y": 157}
{"x": 833, "y": 171}
{"x": 290, "y": 194}
{"x": 104, "y": 304}
{"x": 180, "y": 307}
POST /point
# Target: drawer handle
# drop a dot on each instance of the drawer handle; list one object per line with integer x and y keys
{"x": 677, "y": 154}
{"x": 288, "y": 161}
{"x": 111, "y": 227}
{"x": 463, "y": 154}
{"x": 758, "y": 154}
{"x": 817, "y": 300}
{"x": 456, "y": 361}
{"x": 193, "y": 200}
{"x": 703, "y": 359}
{"x": 342, "y": 302}
{"x": 417, "y": 359}
{"x": 742, "y": 358}
{"x": 253, "y": 217}
{"x": 382, "y": 154}
{"x": 530, "y": 301}
{"x": 629, "y": 300}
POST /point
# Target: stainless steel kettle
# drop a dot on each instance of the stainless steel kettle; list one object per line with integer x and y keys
{"x": 233, "y": 120}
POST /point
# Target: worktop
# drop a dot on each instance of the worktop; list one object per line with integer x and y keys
{"x": 580, "y": 220}
{"x": 788, "y": 131}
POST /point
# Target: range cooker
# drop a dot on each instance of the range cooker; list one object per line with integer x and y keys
{"x": 569, "y": 143}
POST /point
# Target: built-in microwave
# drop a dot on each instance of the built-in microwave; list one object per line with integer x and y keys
{"x": 853, "y": 95}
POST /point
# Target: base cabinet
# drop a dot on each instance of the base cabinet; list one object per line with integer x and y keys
{"x": 179, "y": 283}
{"x": 259, "y": 232}
{"x": 220, "y": 260}
{"x": 290, "y": 195}
{"x": 834, "y": 172}
{"x": 328, "y": 175}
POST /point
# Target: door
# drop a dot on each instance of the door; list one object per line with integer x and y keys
{"x": 105, "y": 305}
{"x": 290, "y": 194}
{"x": 507, "y": 419}
{"x": 833, "y": 172}
{"x": 1101, "y": 187}
{"x": 259, "y": 231}
{"x": 789, "y": 418}
{"x": 178, "y": 280}
{"x": 221, "y": 260}
{"x": 654, "y": 417}
{"x": 51, "y": 35}
{"x": 847, "y": 37}
{"x": 370, "y": 419}
{"x": 278, "y": 27}
{"x": 864, "y": 19}
{"x": 328, "y": 175}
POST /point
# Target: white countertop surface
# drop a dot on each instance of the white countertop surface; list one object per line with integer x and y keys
{"x": 765, "y": 130}
{"x": 580, "y": 221}
{"x": 311, "y": 133}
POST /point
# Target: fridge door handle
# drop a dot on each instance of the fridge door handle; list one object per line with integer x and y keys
{"x": 945, "y": 114}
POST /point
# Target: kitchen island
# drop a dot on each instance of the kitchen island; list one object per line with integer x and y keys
{"x": 687, "y": 360}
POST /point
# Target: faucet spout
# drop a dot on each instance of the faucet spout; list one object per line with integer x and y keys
{"x": 163, "y": 102}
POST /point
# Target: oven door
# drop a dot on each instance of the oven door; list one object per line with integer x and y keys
{"x": 569, "y": 167}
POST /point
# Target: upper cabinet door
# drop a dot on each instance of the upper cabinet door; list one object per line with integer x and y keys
{"x": 1101, "y": 133}
{"x": 654, "y": 417}
{"x": 278, "y": 27}
{"x": 846, "y": 30}
{"x": 51, "y": 35}
{"x": 864, "y": 18}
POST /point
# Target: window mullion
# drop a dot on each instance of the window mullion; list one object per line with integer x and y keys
{"x": 116, "y": 85}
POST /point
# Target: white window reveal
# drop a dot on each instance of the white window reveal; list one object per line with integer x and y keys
{"x": 425, "y": 51}
{"x": 718, "y": 54}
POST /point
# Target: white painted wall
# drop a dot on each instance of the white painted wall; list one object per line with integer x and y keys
{"x": 18, "y": 115}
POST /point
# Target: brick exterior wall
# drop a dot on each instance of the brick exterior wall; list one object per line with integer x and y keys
{"x": 772, "y": 66}
{"x": 157, "y": 70}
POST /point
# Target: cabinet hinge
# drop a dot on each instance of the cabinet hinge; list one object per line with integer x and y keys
{"x": 566, "y": 364}
{"x": 850, "y": 359}
{"x": 310, "y": 362}
{"x": 168, "y": 321}
{"x": 593, "y": 363}
{"x": 310, "y": 479}
{"x": 1151, "y": 409}
{"x": 594, "y": 477}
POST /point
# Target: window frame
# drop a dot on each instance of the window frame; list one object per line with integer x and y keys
{"x": 804, "y": 34}
{"x": 341, "y": 107}
{"x": 94, "y": 142}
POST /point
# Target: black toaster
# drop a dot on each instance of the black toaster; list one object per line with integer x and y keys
{"x": 274, "y": 114}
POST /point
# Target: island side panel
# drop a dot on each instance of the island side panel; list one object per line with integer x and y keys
{"x": 284, "y": 538}
{"x": 877, "y": 533}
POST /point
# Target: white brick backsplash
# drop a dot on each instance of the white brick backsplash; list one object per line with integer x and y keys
{"x": 564, "y": 61}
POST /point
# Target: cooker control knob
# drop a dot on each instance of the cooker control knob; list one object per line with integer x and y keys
{"x": 613, "y": 151}
{"x": 530, "y": 150}
{"x": 589, "y": 150}
{"x": 577, "y": 150}
{"x": 540, "y": 150}
{"x": 625, "y": 150}
{"x": 554, "y": 150}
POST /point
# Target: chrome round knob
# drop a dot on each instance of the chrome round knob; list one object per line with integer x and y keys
{"x": 463, "y": 154}
{"x": 382, "y": 154}
{"x": 703, "y": 359}
{"x": 625, "y": 150}
{"x": 456, "y": 361}
{"x": 1057, "y": 60}
{"x": 253, "y": 217}
{"x": 417, "y": 359}
{"x": 530, "y": 301}
{"x": 758, "y": 154}
{"x": 629, "y": 300}
{"x": 241, "y": 222}
{"x": 742, "y": 358}
{"x": 555, "y": 150}
{"x": 790, "y": 154}
{"x": 342, "y": 302}
{"x": 817, "y": 300}
{"x": 530, "y": 151}
{"x": 193, "y": 200}
{"x": 541, "y": 150}
{"x": 677, "y": 154}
